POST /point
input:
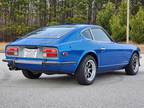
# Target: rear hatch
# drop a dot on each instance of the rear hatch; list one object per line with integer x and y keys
{"x": 33, "y": 47}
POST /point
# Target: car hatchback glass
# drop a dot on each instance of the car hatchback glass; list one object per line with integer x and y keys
{"x": 49, "y": 32}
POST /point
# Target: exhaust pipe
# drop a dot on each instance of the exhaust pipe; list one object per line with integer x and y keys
{"x": 11, "y": 67}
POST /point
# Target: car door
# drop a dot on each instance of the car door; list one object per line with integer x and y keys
{"x": 112, "y": 55}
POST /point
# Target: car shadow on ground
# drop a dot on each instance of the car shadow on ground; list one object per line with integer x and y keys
{"x": 99, "y": 77}
{"x": 65, "y": 81}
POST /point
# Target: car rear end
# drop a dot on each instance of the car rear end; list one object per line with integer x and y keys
{"x": 38, "y": 59}
{"x": 29, "y": 55}
{"x": 40, "y": 53}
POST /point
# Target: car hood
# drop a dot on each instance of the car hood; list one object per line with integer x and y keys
{"x": 35, "y": 42}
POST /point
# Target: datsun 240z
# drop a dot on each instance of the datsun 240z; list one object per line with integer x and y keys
{"x": 78, "y": 50}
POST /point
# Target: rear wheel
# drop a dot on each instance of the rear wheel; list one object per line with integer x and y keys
{"x": 31, "y": 75}
{"x": 86, "y": 71}
{"x": 133, "y": 66}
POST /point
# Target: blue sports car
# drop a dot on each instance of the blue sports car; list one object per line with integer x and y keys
{"x": 78, "y": 50}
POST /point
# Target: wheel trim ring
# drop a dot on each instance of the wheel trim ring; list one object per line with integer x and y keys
{"x": 135, "y": 64}
{"x": 93, "y": 68}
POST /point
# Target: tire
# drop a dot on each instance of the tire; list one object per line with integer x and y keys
{"x": 133, "y": 67}
{"x": 31, "y": 75}
{"x": 86, "y": 72}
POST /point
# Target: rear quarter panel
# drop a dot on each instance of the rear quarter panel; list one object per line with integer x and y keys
{"x": 78, "y": 49}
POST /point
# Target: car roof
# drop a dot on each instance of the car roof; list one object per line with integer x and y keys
{"x": 75, "y": 26}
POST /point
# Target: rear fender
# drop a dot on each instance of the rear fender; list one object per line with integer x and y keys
{"x": 84, "y": 54}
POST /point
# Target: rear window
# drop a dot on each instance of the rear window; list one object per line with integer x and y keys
{"x": 49, "y": 32}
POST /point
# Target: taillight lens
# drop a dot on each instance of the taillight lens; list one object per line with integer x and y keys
{"x": 12, "y": 51}
{"x": 50, "y": 52}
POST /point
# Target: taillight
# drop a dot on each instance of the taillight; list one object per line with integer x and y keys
{"x": 12, "y": 51}
{"x": 50, "y": 52}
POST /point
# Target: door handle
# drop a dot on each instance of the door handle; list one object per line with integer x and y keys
{"x": 102, "y": 49}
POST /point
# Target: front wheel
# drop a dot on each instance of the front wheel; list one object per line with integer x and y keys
{"x": 86, "y": 71}
{"x": 31, "y": 75}
{"x": 133, "y": 66}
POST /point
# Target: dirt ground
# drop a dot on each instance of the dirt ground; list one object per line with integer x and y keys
{"x": 141, "y": 47}
{"x": 2, "y": 46}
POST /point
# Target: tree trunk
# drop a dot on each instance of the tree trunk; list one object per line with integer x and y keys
{"x": 89, "y": 11}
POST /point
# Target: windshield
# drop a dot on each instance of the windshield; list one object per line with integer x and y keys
{"x": 49, "y": 32}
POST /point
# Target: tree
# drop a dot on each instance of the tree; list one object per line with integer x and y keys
{"x": 118, "y": 31}
{"x": 17, "y": 17}
{"x": 118, "y": 23}
{"x": 104, "y": 16}
{"x": 137, "y": 27}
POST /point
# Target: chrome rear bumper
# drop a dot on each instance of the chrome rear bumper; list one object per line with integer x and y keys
{"x": 36, "y": 62}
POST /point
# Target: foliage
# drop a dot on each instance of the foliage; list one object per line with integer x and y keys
{"x": 104, "y": 16}
{"x": 118, "y": 31}
{"x": 118, "y": 23}
{"x": 52, "y": 23}
{"x": 137, "y": 27}
{"x": 18, "y": 17}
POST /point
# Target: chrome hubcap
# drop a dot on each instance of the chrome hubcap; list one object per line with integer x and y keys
{"x": 135, "y": 63}
{"x": 90, "y": 70}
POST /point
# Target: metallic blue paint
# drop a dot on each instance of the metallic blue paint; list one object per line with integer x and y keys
{"x": 114, "y": 56}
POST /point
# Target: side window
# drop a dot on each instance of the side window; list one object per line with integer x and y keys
{"x": 100, "y": 35}
{"x": 87, "y": 34}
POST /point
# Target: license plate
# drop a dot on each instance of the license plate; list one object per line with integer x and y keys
{"x": 31, "y": 53}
